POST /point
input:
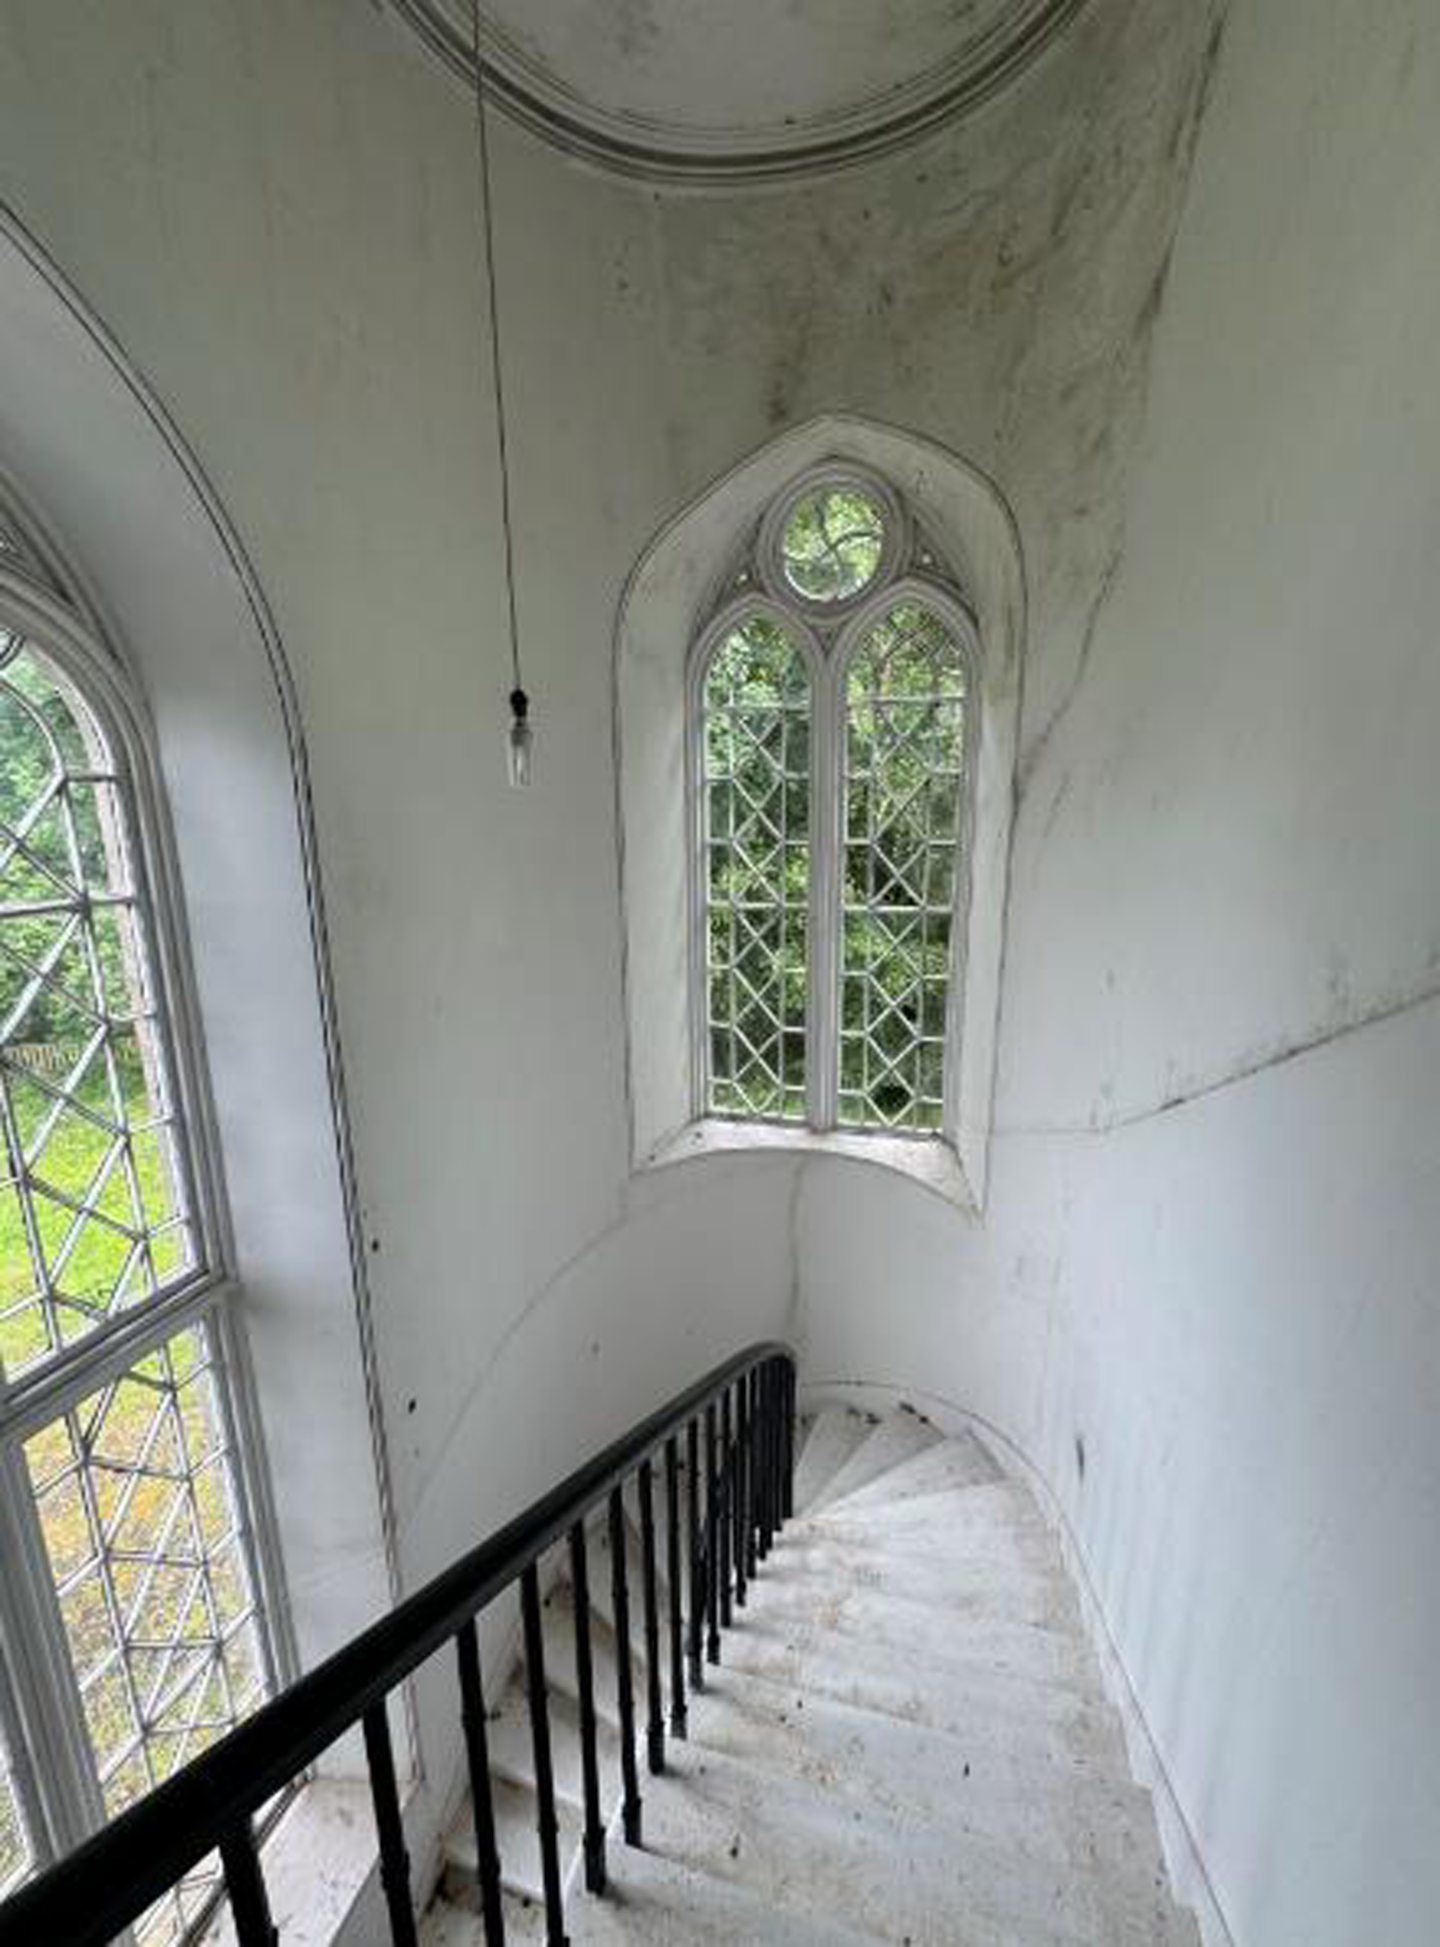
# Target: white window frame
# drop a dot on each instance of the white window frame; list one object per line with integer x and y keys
{"x": 40, "y": 1705}
{"x": 828, "y": 635}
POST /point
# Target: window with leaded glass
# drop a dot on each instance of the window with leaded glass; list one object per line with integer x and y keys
{"x": 904, "y": 760}
{"x": 756, "y": 839}
{"x": 833, "y": 717}
{"x": 135, "y": 1581}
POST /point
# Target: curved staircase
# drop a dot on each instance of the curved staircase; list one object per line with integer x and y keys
{"x": 906, "y": 1739}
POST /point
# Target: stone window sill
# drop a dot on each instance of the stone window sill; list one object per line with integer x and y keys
{"x": 930, "y": 1161}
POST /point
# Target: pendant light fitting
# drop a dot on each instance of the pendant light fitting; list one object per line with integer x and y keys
{"x": 520, "y": 740}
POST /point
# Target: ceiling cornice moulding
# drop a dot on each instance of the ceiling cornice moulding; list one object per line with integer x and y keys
{"x": 678, "y": 151}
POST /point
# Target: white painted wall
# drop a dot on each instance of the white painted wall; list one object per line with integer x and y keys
{"x": 1221, "y": 853}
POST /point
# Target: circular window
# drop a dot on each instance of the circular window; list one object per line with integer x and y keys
{"x": 832, "y": 542}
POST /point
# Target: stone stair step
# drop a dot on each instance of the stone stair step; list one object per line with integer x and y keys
{"x": 990, "y": 1791}
{"x": 517, "y": 1841}
{"x": 961, "y": 1460}
{"x": 807, "y": 1850}
{"x": 831, "y": 1438}
{"x": 1018, "y": 1663}
{"x": 992, "y": 1508}
{"x": 894, "y": 1599}
{"x": 898, "y": 1438}
{"x": 651, "y": 1899}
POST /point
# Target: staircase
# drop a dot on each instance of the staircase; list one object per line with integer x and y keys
{"x": 906, "y": 1739}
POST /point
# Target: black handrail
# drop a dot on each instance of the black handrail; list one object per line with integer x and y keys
{"x": 109, "y": 1881}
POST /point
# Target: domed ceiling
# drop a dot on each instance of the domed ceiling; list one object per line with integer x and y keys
{"x": 718, "y": 88}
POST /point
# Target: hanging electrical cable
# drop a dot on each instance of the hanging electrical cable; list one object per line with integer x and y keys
{"x": 520, "y": 739}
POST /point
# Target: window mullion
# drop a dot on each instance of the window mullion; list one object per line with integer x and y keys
{"x": 827, "y": 747}
{"x": 54, "y": 1754}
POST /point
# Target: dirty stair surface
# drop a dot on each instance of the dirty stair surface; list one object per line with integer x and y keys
{"x": 906, "y": 1739}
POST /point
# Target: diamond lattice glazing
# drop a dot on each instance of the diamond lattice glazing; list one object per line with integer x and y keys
{"x": 93, "y": 1216}
{"x": 756, "y": 850}
{"x": 137, "y": 1501}
{"x": 904, "y": 763}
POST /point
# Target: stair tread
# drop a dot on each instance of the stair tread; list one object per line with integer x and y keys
{"x": 973, "y": 1697}
{"x": 950, "y": 1602}
{"x": 892, "y": 1874}
{"x": 655, "y": 1899}
{"x": 959, "y": 1461}
{"x": 898, "y": 1438}
{"x": 987, "y": 1790}
{"x": 517, "y": 1841}
{"x": 833, "y": 1435}
{"x": 986, "y": 1508}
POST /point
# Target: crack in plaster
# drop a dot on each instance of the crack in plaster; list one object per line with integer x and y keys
{"x": 502, "y": 1345}
{"x": 1030, "y": 761}
{"x": 1245, "y": 1070}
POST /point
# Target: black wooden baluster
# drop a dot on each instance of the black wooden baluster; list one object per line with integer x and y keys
{"x": 545, "y": 1822}
{"x": 245, "y": 1883}
{"x": 672, "y": 1566}
{"x": 779, "y": 1447}
{"x": 585, "y": 1682}
{"x": 740, "y": 1493}
{"x": 766, "y": 1466}
{"x": 712, "y": 1538}
{"x": 655, "y": 1702}
{"x": 472, "y": 1719}
{"x": 727, "y": 1526}
{"x": 697, "y": 1568}
{"x": 394, "y": 1860}
{"x": 787, "y": 1478}
{"x": 772, "y": 1436}
{"x": 752, "y": 1474}
{"x": 624, "y": 1673}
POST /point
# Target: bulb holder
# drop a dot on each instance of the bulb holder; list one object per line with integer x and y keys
{"x": 520, "y": 742}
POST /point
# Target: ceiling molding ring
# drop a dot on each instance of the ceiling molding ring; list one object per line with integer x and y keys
{"x": 641, "y": 145}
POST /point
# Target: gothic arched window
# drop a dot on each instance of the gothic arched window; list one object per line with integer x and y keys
{"x": 132, "y": 1627}
{"x": 832, "y": 706}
